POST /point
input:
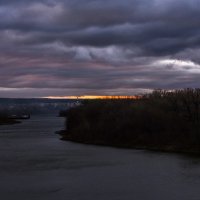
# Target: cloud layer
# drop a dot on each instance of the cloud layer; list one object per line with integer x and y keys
{"x": 100, "y": 47}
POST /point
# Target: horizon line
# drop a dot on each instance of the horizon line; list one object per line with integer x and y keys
{"x": 94, "y": 97}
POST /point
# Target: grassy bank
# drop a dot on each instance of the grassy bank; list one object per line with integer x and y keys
{"x": 162, "y": 120}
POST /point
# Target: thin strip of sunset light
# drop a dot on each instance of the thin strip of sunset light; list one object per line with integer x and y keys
{"x": 91, "y": 97}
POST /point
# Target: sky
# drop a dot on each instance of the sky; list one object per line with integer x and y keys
{"x": 98, "y": 47}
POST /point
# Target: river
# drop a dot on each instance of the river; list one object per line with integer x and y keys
{"x": 36, "y": 165}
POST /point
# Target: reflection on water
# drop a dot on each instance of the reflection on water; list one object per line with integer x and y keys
{"x": 35, "y": 164}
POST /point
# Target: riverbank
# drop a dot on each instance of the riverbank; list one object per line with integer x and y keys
{"x": 164, "y": 149}
{"x": 7, "y": 121}
{"x": 160, "y": 121}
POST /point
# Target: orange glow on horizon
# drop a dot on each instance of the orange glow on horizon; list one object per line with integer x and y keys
{"x": 91, "y": 97}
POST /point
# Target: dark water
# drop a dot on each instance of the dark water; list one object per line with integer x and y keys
{"x": 36, "y": 165}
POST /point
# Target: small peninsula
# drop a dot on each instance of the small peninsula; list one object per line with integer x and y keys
{"x": 162, "y": 120}
{"x": 5, "y": 119}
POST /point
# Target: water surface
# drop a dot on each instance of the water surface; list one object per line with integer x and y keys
{"x": 36, "y": 165}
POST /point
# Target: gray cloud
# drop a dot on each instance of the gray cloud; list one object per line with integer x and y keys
{"x": 98, "y": 46}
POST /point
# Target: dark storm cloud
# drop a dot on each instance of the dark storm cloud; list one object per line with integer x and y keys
{"x": 98, "y": 46}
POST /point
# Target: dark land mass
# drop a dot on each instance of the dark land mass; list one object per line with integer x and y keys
{"x": 6, "y": 121}
{"x": 163, "y": 120}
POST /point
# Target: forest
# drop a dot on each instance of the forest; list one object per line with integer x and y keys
{"x": 163, "y": 120}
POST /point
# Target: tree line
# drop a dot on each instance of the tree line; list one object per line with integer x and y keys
{"x": 161, "y": 120}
